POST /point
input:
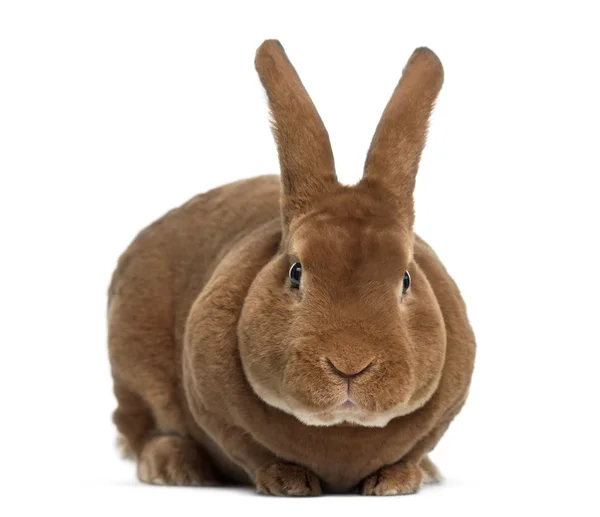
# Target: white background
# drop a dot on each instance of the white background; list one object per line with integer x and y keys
{"x": 113, "y": 112}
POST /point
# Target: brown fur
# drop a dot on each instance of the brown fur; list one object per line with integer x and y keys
{"x": 224, "y": 372}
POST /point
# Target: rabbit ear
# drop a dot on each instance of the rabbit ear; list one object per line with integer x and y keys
{"x": 393, "y": 158}
{"x": 305, "y": 155}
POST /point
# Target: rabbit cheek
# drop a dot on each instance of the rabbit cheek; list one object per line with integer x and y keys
{"x": 307, "y": 381}
{"x": 261, "y": 332}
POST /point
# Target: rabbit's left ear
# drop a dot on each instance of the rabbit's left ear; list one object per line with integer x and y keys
{"x": 305, "y": 155}
{"x": 395, "y": 151}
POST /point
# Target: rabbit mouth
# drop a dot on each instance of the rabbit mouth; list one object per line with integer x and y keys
{"x": 346, "y": 400}
{"x": 345, "y": 411}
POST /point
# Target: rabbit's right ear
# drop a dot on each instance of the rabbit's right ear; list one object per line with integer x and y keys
{"x": 305, "y": 155}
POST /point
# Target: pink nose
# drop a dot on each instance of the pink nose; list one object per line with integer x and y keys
{"x": 347, "y": 370}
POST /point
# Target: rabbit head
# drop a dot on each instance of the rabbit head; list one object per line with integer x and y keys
{"x": 342, "y": 325}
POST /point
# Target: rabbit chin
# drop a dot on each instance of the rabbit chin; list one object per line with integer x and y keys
{"x": 354, "y": 416}
{"x": 338, "y": 414}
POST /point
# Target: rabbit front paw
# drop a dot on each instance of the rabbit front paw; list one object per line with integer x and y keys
{"x": 287, "y": 479}
{"x": 398, "y": 479}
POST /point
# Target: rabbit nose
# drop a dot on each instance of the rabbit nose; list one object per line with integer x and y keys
{"x": 346, "y": 370}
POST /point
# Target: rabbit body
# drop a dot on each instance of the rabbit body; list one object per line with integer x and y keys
{"x": 225, "y": 372}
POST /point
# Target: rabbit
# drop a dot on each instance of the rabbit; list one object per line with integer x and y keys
{"x": 289, "y": 332}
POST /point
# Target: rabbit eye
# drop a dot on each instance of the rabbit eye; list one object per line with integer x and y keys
{"x": 296, "y": 274}
{"x": 405, "y": 282}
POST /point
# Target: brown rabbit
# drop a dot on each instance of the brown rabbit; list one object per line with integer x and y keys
{"x": 294, "y": 335}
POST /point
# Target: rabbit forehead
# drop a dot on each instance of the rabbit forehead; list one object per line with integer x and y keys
{"x": 330, "y": 241}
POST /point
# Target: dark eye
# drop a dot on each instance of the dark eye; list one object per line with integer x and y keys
{"x": 405, "y": 282}
{"x": 296, "y": 274}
